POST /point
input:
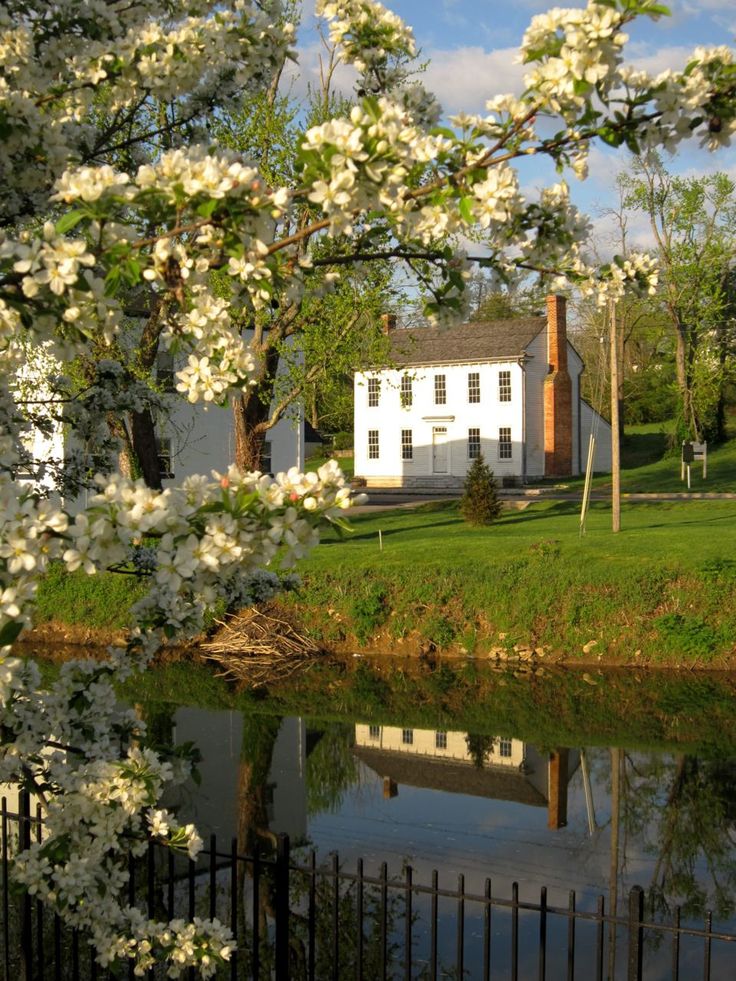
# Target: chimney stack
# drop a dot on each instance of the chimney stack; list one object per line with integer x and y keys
{"x": 557, "y": 789}
{"x": 388, "y": 322}
{"x": 557, "y": 394}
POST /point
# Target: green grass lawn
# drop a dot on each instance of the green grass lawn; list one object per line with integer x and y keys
{"x": 691, "y": 533}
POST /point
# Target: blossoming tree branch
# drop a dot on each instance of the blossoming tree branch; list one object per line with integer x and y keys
{"x": 111, "y": 189}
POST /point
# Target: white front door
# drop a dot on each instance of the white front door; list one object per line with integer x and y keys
{"x": 439, "y": 449}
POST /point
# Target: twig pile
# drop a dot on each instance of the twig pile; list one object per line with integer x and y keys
{"x": 258, "y": 649}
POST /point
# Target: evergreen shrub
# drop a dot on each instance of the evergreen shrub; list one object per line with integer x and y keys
{"x": 480, "y": 503}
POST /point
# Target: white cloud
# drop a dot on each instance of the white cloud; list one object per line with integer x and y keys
{"x": 461, "y": 78}
{"x": 464, "y": 78}
{"x": 657, "y": 60}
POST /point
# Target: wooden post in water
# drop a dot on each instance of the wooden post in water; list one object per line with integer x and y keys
{"x": 615, "y": 422}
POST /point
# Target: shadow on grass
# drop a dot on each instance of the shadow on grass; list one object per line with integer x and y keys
{"x": 640, "y": 449}
{"x": 386, "y": 532}
{"x": 690, "y": 521}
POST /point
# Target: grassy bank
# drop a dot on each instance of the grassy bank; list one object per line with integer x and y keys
{"x": 663, "y": 591}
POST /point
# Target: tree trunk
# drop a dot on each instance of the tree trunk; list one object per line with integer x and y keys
{"x": 251, "y": 412}
{"x": 126, "y": 457}
{"x": 684, "y": 361}
{"x": 250, "y": 416}
{"x": 615, "y": 434}
{"x": 143, "y": 435}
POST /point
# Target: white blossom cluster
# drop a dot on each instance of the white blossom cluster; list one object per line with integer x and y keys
{"x": 50, "y": 79}
{"x": 366, "y": 32}
{"x": 206, "y": 540}
{"x": 364, "y": 161}
{"x": 99, "y": 807}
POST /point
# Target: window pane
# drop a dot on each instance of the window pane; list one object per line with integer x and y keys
{"x": 474, "y": 386}
{"x": 504, "y": 748}
{"x": 504, "y": 386}
{"x": 374, "y": 732}
{"x": 473, "y": 444}
{"x": 374, "y": 391}
{"x": 440, "y": 390}
{"x": 504, "y": 443}
{"x": 440, "y": 740}
{"x": 407, "y": 445}
{"x": 163, "y": 448}
{"x": 406, "y": 393}
{"x": 165, "y": 371}
{"x": 407, "y": 736}
{"x": 372, "y": 444}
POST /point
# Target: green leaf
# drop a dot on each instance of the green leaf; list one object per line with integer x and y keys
{"x": 444, "y": 131}
{"x": 70, "y": 220}
{"x": 206, "y": 208}
{"x": 465, "y": 207}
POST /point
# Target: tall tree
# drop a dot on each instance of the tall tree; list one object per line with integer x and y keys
{"x": 693, "y": 221}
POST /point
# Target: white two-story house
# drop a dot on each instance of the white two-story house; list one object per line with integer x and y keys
{"x": 507, "y": 389}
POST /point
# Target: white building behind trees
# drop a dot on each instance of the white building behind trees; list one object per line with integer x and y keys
{"x": 506, "y": 389}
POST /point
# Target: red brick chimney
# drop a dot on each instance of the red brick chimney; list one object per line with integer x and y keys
{"x": 557, "y": 789}
{"x": 388, "y": 322}
{"x": 557, "y": 394}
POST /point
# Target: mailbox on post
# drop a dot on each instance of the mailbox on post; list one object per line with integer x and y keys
{"x": 692, "y": 453}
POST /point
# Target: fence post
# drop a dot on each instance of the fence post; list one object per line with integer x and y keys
{"x": 636, "y": 933}
{"x": 282, "y": 908}
{"x": 26, "y": 937}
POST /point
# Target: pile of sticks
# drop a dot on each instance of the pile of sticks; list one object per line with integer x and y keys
{"x": 259, "y": 649}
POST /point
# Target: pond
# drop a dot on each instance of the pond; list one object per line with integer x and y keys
{"x": 597, "y": 815}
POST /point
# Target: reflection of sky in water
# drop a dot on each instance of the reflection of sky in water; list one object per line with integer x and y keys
{"x": 457, "y": 833}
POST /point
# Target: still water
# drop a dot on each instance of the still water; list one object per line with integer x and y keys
{"x": 594, "y": 819}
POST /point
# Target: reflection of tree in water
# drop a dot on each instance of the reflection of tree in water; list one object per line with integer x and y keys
{"x": 685, "y": 815}
{"x": 480, "y": 747}
{"x": 254, "y": 834}
{"x": 332, "y": 768}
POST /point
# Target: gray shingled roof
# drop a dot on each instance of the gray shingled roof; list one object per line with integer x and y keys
{"x": 496, "y": 340}
{"x": 431, "y": 773}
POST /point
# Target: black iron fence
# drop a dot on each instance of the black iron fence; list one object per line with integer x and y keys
{"x": 296, "y": 919}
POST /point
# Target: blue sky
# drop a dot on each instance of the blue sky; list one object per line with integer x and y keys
{"x": 471, "y": 46}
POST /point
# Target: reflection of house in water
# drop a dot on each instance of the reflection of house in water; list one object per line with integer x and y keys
{"x": 437, "y": 760}
{"x": 213, "y": 805}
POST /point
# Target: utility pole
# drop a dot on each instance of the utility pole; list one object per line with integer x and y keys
{"x": 615, "y": 421}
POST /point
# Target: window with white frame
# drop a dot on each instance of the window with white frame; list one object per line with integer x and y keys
{"x": 374, "y": 392}
{"x": 440, "y": 740}
{"x": 504, "y": 443}
{"x": 473, "y": 386}
{"x": 407, "y": 737}
{"x": 440, "y": 390}
{"x": 473, "y": 443}
{"x": 165, "y": 371}
{"x": 374, "y": 732}
{"x": 163, "y": 449}
{"x": 406, "y": 393}
{"x": 504, "y": 748}
{"x": 372, "y": 444}
{"x": 407, "y": 445}
{"x": 504, "y": 386}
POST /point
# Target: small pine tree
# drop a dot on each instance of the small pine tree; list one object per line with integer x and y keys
{"x": 480, "y": 504}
